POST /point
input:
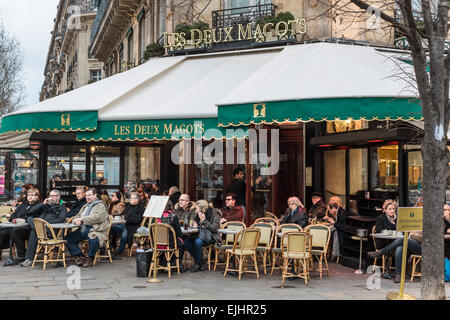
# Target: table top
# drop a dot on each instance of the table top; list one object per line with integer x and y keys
{"x": 386, "y": 236}
{"x": 13, "y": 225}
{"x": 229, "y": 231}
{"x": 63, "y": 225}
{"x": 189, "y": 230}
{"x": 116, "y": 222}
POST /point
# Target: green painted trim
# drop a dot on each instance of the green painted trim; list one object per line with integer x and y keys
{"x": 130, "y": 31}
{"x": 321, "y": 110}
{"x": 140, "y": 15}
{"x": 49, "y": 121}
{"x": 159, "y": 129}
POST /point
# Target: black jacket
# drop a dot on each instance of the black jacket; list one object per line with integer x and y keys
{"x": 133, "y": 214}
{"x": 383, "y": 224}
{"x": 54, "y": 213}
{"x": 238, "y": 187}
{"x": 174, "y": 198}
{"x": 342, "y": 215}
{"x": 318, "y": 210}
{"x": 299, "y": 217}
{"x": 26, "y": 210}
{"x": 76, "y": 207}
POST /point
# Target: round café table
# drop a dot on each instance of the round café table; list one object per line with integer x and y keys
{"x": 12, "y": 226}
{"x": 189, "y": 230}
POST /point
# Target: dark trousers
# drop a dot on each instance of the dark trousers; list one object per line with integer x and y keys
{"x": 76, "y": 237}
{"x": 413, "y": 246}
{"x": 19, "y": 237}
{"x": 4, "y": 239}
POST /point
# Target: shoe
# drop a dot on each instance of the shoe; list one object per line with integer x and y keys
{"x": 26, "y": 263}
{"x": 196, "y": 268}
{"x": 374, "y": 254}
{"x": 89, "y": 262}
{"x": 80, "y": 260}
{"x": 397, "y": 278}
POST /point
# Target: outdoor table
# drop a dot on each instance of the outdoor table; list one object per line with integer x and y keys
{"x": 63, "y": 225}
{"x": 228, "y": 231}
{"x": 189, "y": 230}
{"x": 11, "y": 226}
{"x": 116, "y": 222}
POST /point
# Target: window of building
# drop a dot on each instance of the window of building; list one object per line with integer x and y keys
{"x": 384, "y": 166}
{"x": 105, "y": 166}
{"x": 141, "y": 38}
{"x": 358, "y": 171}
{"x": 335, "y": 175}
{"x": 130, "y": 56}
{"x": 95, "y": 75}
{"x": 121, "y": 59}
{"x": 261, "y": 192}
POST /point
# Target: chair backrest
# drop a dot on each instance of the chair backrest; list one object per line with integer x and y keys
{"x": 6, "y": 209}
{"x": 250, "y": 239}
{"x": 296, "y": 242}
{"x": 234, "y": 225}
{"x": 160, "y": 235}
{"x": 267, "y": 234}
{"x": 270, "y": 215}
{"x": 320, "y": 234}
{"x": 289, "y": 227}
{"x": 273, "y": 221}
{"x": 41, "y": 229}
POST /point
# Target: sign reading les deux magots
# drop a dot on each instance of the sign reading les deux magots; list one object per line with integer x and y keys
{"x": 409, "y": 219}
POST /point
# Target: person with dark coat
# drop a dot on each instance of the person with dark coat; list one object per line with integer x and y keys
{"x": 29, "y": 207}
{"x": 133, "y": 214}
{"x": 79, "y": 203}
{"x": 386, "y": 221}
{"x": 319, "y": 208}
{"x": 54, "y": 211}
{"x": 174, "y": 194}
{"x": 231, "y": 212}
{"x": 295, "y": 213}
{"x": 337, "y": 216}
{"x": 238, "y": 186}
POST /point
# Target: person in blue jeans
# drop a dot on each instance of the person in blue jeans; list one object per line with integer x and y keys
{"x": 414, "y": 247}
{"x": 116, "y": 209}
{"x": 208, "y": 218}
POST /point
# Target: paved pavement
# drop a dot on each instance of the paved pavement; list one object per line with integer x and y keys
{"x": 108, "y": 281}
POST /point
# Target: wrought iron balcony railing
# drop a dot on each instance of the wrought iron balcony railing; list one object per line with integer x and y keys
{"x": 243, "y": 15}
{"x": 99, "y": 18}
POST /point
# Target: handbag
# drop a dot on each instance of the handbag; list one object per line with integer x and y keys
{"x": 205, "y": 235}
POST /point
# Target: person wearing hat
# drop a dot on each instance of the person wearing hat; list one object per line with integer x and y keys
{"x": 319, "y": 208}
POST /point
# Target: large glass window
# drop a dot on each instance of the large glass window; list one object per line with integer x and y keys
{"x": 335, "y": 175}
{"x": 141, "y": 163}
{"x": 358, "y": 170}
{"x": 384, "y": 166}
{"x": 17, "y": 168}
{"x": 141, "y": 37}
{"x": 415, "y": 178}
{"x": 105, "y": 165}
{"x": 130, "y": 57}
{"x": 261, "y": 192}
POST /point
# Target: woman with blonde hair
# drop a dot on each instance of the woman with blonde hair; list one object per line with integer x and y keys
{"x": 295, "y": 213}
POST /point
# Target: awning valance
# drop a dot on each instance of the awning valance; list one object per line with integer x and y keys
{"x": 50, "y": 121}
{"x": 319, "y": 110}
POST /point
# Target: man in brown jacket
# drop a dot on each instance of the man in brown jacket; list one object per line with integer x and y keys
{"x": 231, "y": 212}
{"x": 93, "y": 220}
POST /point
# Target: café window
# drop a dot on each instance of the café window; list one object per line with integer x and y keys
{"x": 141, "y": 37}
{"x": 384, "y": 166}
{"x": 105, "y": 166}
{"x": 415, "y": 178}
{"x": 130, "y": 55}
{"x": 95, "y": 75}
{"x": 209, "y": 175}
{"x": 358, "y": 171}
{"x": 17, "y": 168}
{"x": 335, "y": 175}
{"x": 261, "y": 199}
{"x": 141, "y": 163}
{"x": 339, "y": 126}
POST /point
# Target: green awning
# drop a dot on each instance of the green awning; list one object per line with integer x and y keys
{"x": 150, "y": 130}
{"x": 49, "y": 121}
{"x": 319, "y": 110}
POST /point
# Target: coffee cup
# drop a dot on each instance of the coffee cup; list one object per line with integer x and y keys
{"x": 384, "y": 231}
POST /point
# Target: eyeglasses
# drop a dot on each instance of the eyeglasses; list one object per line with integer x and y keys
{"x": 229, "y": 199}
{"x": 53, "y": 195}
{"x": 183, "y": 200}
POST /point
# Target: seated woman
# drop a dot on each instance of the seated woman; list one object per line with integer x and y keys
{"x": 116, "y": 209}
{"x": 295, "y": 213}
{"x": 387, "y": 221}
{"x": 206, "y": 218}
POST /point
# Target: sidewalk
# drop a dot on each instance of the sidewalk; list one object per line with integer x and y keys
{"x": 108, "y": 281}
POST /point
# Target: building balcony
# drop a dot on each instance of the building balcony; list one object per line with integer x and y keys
{"x": 111, "y": 21}
{"x": 243, "y": 15}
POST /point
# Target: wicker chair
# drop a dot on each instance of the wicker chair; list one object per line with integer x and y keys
{"x": 265, "y": 240}
{"x": 274, "y": 222}
{"x": 383, "y": 257}
{"x": 47, "y": 244}
{"x": 227, "y": 241}
{"x": 296, "y": 251}
{"x": 271, "y": 215}
{"x": 160, "y": 243}
{"x": 107, "y": 244}
{"x": 277, "y": 249}
{"x": 249, "y": 239}
{"x": 320, "y": 240}
{"x": 416, "y": 259}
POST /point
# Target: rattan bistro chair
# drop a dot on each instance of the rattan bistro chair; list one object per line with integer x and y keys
{"x": 383, "y": 257}
{"x": 415, "y": 259}
{"x": 241, "y": 250}
{"x": 160, "y": 243}
{"x": 227, "y": 241}
{"x": 277, "y": 248}
{"x": 297, "y": 252}
{"x": 47, "y": 244}
{"x": 265, "y": 241}
{"x": 320, "y": 240}
{"x": 273, "y": 221}
{"x": 107, "y": 245}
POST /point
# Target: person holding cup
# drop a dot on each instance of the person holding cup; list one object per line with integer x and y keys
{"x": 386, "y": 221}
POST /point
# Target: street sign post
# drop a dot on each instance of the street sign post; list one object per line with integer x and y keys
{"x": 408, "y": 219}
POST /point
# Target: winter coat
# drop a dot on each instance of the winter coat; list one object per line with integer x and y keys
{"x": 233, "y": 214}
{"x": 299, "y": 217}
{"x": 76, "y": 207}
{"x": 318, "y": 211}
{"x": 26, "y": 210}
{"x": 188, "y": 214}
{"x": 383, "y": 223}
{"x": 54, "y": 213}
{"x": 238, "y": 187}
{"x": 212, "y": 223}
{"x": 98, "y": 219}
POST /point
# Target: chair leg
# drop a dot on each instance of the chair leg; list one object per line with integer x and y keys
{"x": 326, "y": 264}
{"x": 45, "y": 256}
{"x": 216, "y": 258}
{"x": 177, "y": 257}
{"x": 264, "y": 262}
{"x": 240, "y": 266}
{"x": 304, "y": 271}
{"x": 108, "y": 249}
{"x": 256, "y": 265}
{"x": 285, "y": 267}
{"x": 64, "y": 255}
{"x": 168, "y": 256}
{"x": 320, "y": 266}
{"x": 227, "y": 264}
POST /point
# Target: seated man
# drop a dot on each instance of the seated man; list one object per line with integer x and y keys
{"x": 54, "y": 211}
{"x": 318, "y": 208}
{"x": 336, "y": 216}
{"x": 93, "y": 220}
{"x": 231, "y": 212}
{"x": 133, "y": 213}
{"x": 81, "y": 201}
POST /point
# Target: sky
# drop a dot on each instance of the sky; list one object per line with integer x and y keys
{"x": 30, "y": 22}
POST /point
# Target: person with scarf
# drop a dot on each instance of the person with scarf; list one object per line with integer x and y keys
{"x": 133, "y": 214}
{"x": 295, "y": 213}
{"x": 206, "y": 218}
{"x": 93, "y": 222}
{"x": 116, "y": 209}
{"x": 79, "y": 203}
{"x": 318, "y": 209}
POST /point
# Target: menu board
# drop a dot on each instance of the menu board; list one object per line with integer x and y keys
{"x": 156, "y": 206}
